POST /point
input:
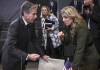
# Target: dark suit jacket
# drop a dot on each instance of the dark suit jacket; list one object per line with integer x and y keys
{"x": 94, "y": 21}
{"x": 16, "y": 45}
{"x": 78, "y": 6}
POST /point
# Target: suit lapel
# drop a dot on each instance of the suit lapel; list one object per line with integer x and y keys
{"x": 23, "y": 28}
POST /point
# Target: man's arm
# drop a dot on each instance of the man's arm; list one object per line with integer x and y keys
{"x": 12, "y": 42}
{"x": 12, "y": 47}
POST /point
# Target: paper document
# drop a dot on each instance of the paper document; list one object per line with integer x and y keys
{"x": 53, "y": 64}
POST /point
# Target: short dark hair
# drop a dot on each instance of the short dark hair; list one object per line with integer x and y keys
{"x": 27, "y": 7}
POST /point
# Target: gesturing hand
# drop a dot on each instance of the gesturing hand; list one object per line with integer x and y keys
{"x": 33, "y": 57}
{"x": 61, "y": 35}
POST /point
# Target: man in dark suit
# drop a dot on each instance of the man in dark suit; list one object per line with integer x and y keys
{"x": 52, "y": 6}
{"x": 91, "y": 14}
{"x": 77, "y": 4}
{"x": 21, "y": 35}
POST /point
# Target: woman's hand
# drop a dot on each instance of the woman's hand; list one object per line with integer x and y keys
{"x": 48, "y": 29}
{"x": 61, "y": 35}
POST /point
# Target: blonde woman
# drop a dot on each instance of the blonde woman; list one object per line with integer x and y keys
{"x": 77, "y": 36}
{"x": 50, "y": 39}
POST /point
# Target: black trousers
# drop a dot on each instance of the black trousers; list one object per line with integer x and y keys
{"x": 51, "y": 51}
{"x": 97, "y": 45}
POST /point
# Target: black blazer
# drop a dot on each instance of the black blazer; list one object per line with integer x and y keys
{"x": 53, "y": 8}
{"x": 78, "y": 5}
{"x": 16, "y": 45}
{"x": 94, "y": 21}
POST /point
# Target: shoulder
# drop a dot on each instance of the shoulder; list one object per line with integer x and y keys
{"x": 53, "y": 17}
{"x": 96, "y": 8}
{"x": 14, "y": 24}
{"x": 82, "y": 27}
{"x": 82, "y": 31}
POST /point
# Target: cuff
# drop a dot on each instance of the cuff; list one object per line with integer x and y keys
{"x": 27, "y": 58}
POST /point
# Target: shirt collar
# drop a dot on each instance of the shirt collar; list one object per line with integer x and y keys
{"x": 24, "y": 21}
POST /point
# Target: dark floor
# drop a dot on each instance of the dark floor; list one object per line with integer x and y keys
{"x": 30, "y": 66}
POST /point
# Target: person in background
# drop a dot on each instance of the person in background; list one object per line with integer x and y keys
{"x": 77, "y": 36}
{"x": 91, "y": 14}
{"x": 21, "y": 35}
{"x": 50, "y": 39}
{"x": 96, "y": 2}
{"x": 52, "y": 4}
{"x": 40, "y": 3}
{"x": 77, "y": 4}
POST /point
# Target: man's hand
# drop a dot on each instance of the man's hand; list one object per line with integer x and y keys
{"x": 33, "y": 57}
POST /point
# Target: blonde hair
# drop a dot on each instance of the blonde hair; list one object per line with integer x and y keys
{"x": 47, "y": 10}
{"x": 70, "y": 11}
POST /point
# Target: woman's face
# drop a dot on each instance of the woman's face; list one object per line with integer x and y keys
{"x": 44, "y": 11}
{"x": 67, "y": 21}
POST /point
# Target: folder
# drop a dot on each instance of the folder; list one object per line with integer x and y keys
{"x": 52, "y": 64}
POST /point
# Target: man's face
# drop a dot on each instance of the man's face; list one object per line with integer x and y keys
{"x": 30, "y": 17}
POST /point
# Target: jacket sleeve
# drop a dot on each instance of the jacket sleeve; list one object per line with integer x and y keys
{"x": 81, "y": 42}
{"x": 12, "y": 42}
{"x": 54, "y": 19}
{"x": 36, "y": 42}
{"x": 95, "y": 16}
